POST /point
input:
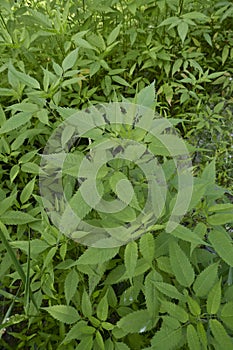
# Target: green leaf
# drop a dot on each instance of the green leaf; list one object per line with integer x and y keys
{"x": 113, "y": 35}
{"x": 27, "y": 191}
{"x": 85, "y": 344}
{"x": 136, "y": 322}
{"x": 37, "y": 246}
{"x": 202, "y": 334}
{"x": 24, "y": 78}
{"x": 67, "y": 133}
{"x": 93, "y": 256}
{"x": 70, "y": 60}
{"x": 194, "y": 307}
{"x": 14, "y": 172}
{"x": 220, "y": 335}
{"x": 170, "y": 20}
{"x": 182, "y": 30}
{"x": 168, "y": 337}
{"x": 186, "y": 234}
{"x": 192, "y": 338}
{"x": 147, "y": 247}
{"x": 222, "y": 244}
{"x": 209, "y": 173}
{"x": 220, "y": 219}
{"x": 86, "y": 305}
{"x": 151, "y": 295}
{"x": 205, "y": 280}
{"x": 130, "y": 258}
{"x": 15, "y": 122}
{"x": 75, "y": 332}
{"x": 99, "y": 341}
{"x": 120, "y": 80}
{"x": 12, "y": 217}
{"x": 221, "y": 207}
{"x": 102, "y": 309}
{"x": 169, "y": 290}
{"x": 175, "y": 311}
{"x": 146, "y": 97}
{"x": 31, "y": 168}
{"x": 71, "y": 284}
{"x": 227, "y": 314}
{"x": 225, "y": 53}
{"x": 63, "y": 313}
{"x": 82, "y": 43}
{"x": 4, "y": 238}
{"x": 214, "y": 298}
{"x": 7, "y": 202}
{"x": 180, "y": 264}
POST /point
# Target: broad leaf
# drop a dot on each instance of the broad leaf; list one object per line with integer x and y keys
{"x": 93, "y": 256}
{"x": 205, "y": 280}
{"x": 63, "y": 313}
{"x": 227, "y": 314}
{"x": 180, "y": 264}
{"x": 130, "y": 258}
{"x": 220, "y": 335}
{"x": 214, "y": 298}
{"x": 192, "y": 338}
{"x": 222, "y": 244}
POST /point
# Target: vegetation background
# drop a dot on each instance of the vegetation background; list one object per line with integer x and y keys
{"x": 163, "y": 291}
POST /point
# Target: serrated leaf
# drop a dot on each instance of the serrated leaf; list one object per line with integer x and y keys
{"x": 187, "y": 235}
{"x": 27, "y": 191}
{"x": 130, "y": 259}
{"x": 71, "y": 284}
{"x": 222, "y": 244}
{"x": 86, "y": 305}
{"x": 93, "y": 256}
{"x": 24, "y": 78}
{"x": 220, "y": 334}
{"x": 194, "y": 307}
{"x": 168, "y": 337}
{"x": 113, "y": 35}
{"x": 227, "y": 314}
{"x": 102, "y": 309}
{"x": 205, "y": 280}
{"x": 70, "y": 60}
{"x": 151, "y": 295}
{"x": 75, "y": 332}
{"x": 63, "y": 313}
{"x": 136, "y": 322}
{"x": 202, "y": 335}
{"x": 85, "y": 344}
{"x": 13, "y": 217}
{"x": 67, "y": 133}
{"x": 180, "y": 264}
{"x": 209, "y": 173}
{"x": 146, "y": 97}
{"x": 214, "y": 298}
{"x": 7, "y": 202}
{"x": 175, "y": 311}
{"x": 169, "y": 290}
{"x": 15, "y": 122}
{"x": 147, "y": 247}
{"x": 192, "y": 338}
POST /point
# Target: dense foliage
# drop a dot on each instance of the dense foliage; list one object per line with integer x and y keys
{"x": 163, "y": 290}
